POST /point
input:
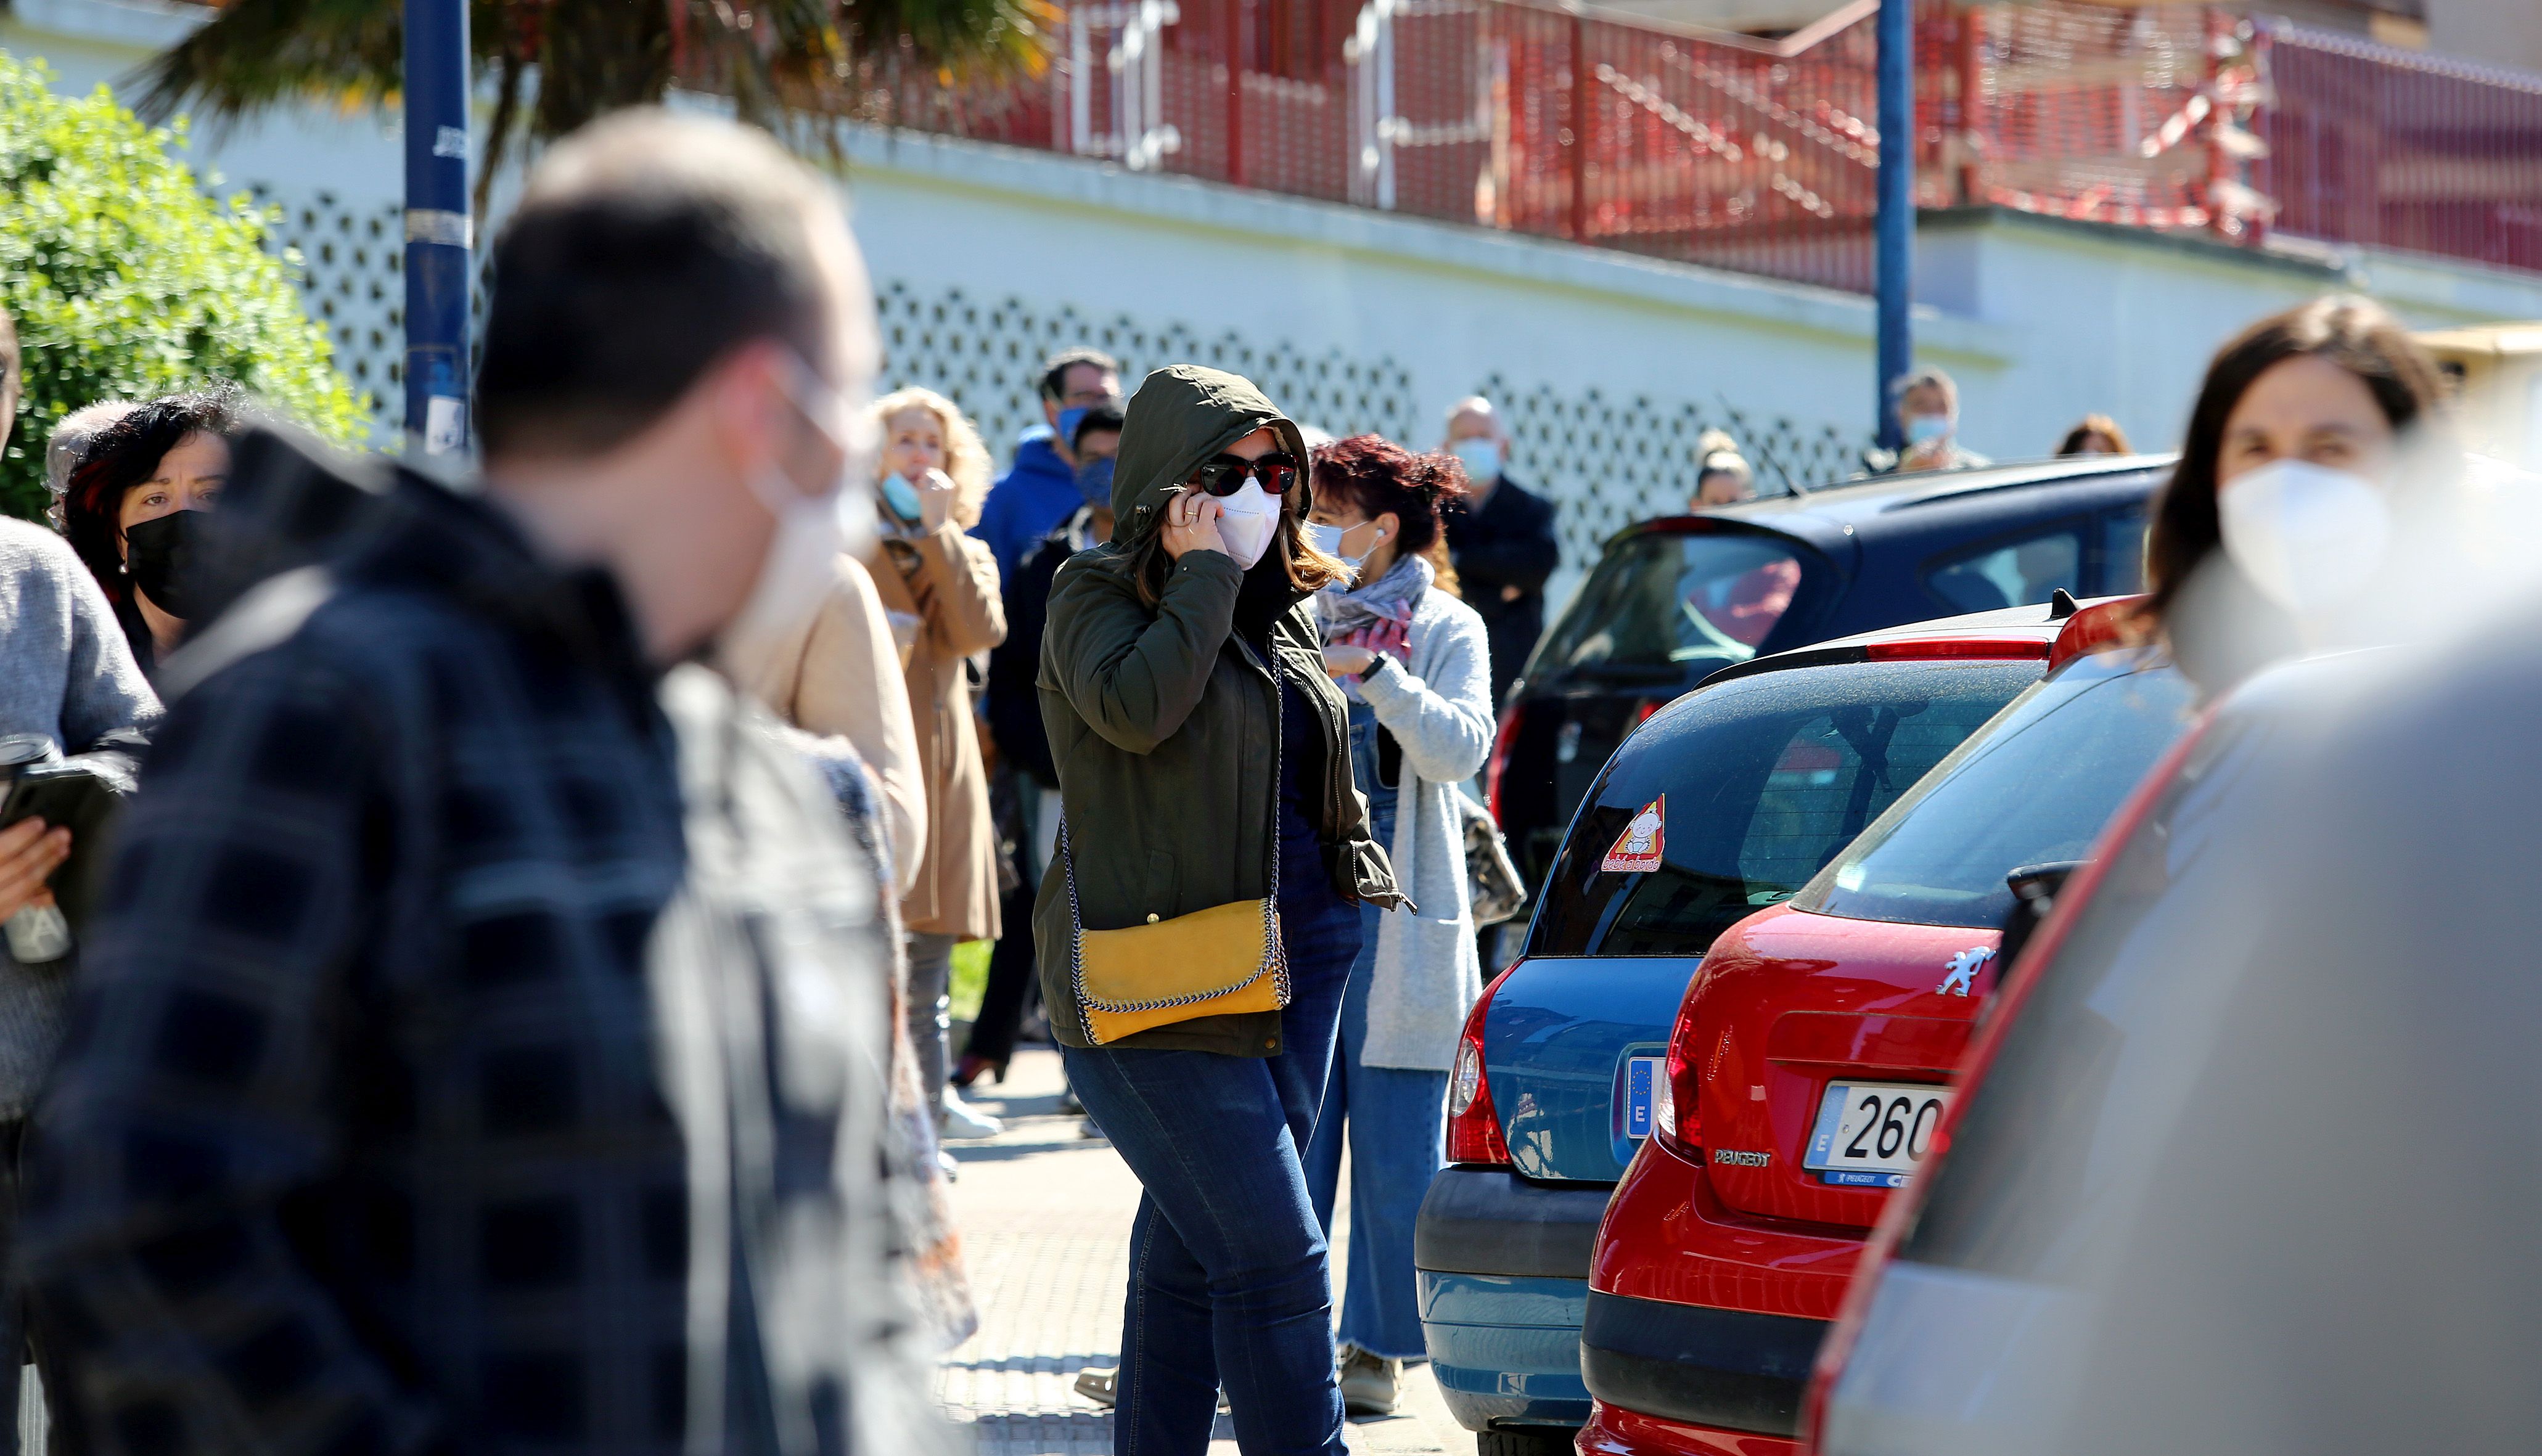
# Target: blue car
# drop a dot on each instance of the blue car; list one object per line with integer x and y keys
{"x": 1725, "y": 801}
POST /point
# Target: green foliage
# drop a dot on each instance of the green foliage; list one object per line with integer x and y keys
{"x": 128, "y": 283}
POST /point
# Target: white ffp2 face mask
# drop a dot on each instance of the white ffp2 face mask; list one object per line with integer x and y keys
{"x": 797, "y": 575}
{"x": 1328, "y": 539}
{"x": 2306, "y": 535}
{"x": 1248, "y": 520}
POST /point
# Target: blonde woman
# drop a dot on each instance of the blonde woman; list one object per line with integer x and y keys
{"x": 939, "y": 591}
{"x": 1722, "y": 475}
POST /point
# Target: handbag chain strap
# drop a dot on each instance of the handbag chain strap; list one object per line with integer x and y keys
{"x": 1274, "y": 953}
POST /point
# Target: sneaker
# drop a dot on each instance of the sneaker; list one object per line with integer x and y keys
{"x": 1369, "y": 1381}
{"x": 1102, "y": 1387}
{"x": 949, "y": 1165}
{"x": 960, "y": 1122}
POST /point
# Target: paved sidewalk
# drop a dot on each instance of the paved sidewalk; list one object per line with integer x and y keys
{"x": 1046, "y": 1227}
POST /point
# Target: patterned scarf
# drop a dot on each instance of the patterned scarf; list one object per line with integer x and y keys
{"x": 1379, "y": 615}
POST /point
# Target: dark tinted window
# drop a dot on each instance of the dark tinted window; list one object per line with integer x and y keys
{"x": 2123, "y": 542}
{"x": 2010, "y": 573}
{"x": 1663, "y": 600}
{"x": 2035, "y": 788}
{"x": 1764, "y": 779}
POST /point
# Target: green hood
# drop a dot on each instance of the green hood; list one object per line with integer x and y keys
{"x": 1182, "y": 415}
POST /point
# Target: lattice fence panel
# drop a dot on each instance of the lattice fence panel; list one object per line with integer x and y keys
{"x": 1608, "y": 459}
{"x": 987, "y": 355}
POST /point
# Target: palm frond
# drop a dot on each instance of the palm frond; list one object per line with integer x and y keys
{"x": 257, "y": 53}
{"x": 786, "y": 64}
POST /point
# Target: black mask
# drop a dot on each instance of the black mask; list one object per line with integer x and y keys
{"x": 160, "y": 555}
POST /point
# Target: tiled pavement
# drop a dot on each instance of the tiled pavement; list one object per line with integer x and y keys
{"x": 1045, "y": 1217}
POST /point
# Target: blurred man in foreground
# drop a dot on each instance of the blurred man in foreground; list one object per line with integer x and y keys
{"x": 484, "y": 1049}
{"x": 1502, "y": 541}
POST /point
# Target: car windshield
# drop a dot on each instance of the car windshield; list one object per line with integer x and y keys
{"x": 2031, "y": 791}
{"x": 1660, "y": 599}
{"x": 1733, "y": 799}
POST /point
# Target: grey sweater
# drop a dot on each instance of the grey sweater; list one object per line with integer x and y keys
{"x": 67, "y": 673}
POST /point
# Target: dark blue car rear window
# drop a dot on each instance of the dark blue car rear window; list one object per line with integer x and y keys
{"x": 1758, "y": 783}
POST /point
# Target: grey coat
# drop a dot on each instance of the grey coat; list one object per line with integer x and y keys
{"x": 67, "y": 673}
{"x": 1439, "y": 707}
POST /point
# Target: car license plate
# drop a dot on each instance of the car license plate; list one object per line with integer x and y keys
{"x": 1873, "y": 1135}
{"x": 1641, "y": 1077}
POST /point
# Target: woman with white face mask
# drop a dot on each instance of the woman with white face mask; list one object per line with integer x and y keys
{"x": 1196, "y": 931}
{"x": 2279, "y": 510}
{"x": 1414, "y": 663}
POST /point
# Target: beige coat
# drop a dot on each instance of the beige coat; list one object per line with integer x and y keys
{"x": 952, "y": 589}
{"x": 836, "y": 677}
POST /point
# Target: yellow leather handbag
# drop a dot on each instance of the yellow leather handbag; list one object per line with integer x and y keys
{"x": 1213, "y": 961}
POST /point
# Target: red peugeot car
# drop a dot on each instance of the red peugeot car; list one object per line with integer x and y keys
{"x": 1812, "y": 1057}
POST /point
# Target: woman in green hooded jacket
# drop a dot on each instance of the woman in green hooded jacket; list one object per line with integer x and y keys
{"x": 1204, "y": 760}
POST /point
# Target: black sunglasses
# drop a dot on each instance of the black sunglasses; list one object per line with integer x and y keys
{"x": 1224, "y": 474}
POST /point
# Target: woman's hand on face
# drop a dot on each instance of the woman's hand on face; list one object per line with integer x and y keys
{"x": 1191, "y": 525}
{"x": 935, "y": 493}
{"x": 1347, "y": 662}
{"x": 29, "y": 855}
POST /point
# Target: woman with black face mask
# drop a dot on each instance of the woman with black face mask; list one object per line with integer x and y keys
{"x": 133, "y": 511}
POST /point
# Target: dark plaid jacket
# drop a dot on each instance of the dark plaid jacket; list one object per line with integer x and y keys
{"x": 440, "y": 1082}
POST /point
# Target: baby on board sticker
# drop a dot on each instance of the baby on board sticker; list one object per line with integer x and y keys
{"x": 1637, "y": 848}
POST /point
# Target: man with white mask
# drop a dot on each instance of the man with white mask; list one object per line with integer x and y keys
{"x": 494, "y": 1013}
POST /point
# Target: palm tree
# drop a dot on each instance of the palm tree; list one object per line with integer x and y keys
{"x": 559, "y": 63}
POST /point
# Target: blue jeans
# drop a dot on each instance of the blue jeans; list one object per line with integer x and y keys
{"x": 1396, "y": 1119}
{"x": 1229, "y": 1279}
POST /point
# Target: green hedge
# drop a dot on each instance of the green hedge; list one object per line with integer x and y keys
{"x": 128, "y": 282}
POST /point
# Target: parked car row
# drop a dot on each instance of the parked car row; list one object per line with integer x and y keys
{"x": 1759, "y": 949}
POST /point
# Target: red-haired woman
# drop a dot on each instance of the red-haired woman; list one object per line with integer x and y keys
{"x": 1414, "y": 663}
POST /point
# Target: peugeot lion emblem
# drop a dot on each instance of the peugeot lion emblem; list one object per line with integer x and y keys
{"x": 1964, "y": 971}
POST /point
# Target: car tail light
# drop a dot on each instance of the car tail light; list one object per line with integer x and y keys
{"x": 1936, "y": 648}
{"x": 1473, "y": 1125}
{"x": 1675, "y": 1115}
{"x": 2101, "y": 625}
{"x": 1502, "y": 742}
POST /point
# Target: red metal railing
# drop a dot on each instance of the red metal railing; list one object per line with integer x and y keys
{"x": 1761, "y": 156}
{"x": 2368, "y": 144}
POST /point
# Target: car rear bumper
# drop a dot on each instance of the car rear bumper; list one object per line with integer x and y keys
{"x": 1504, "y": 1280}
{"x": 1726, "y": 1369}
{"x": 1505, "y": 1351}
{"x": 1489, "y": 1222}
{"x": 1616, "y": 1432}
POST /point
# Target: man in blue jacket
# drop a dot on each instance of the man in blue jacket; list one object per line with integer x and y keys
{"x": 1039, "y": 495}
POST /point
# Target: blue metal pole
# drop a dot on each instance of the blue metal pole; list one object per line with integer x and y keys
{"x": 437, "y": 226}
{"x": 1896, "y": 262}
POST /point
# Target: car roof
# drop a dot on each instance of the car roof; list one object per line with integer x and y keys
{"x": 1821, "y": 515}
